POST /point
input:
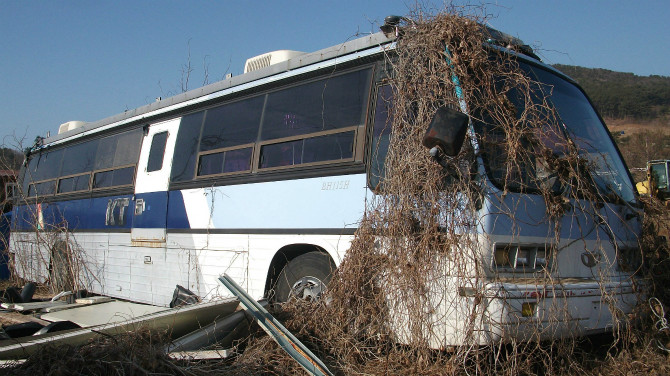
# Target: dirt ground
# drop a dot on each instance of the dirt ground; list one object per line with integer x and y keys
{"x": 630, "y": 127}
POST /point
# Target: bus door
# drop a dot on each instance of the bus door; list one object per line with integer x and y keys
{"x": 151, "y": 184}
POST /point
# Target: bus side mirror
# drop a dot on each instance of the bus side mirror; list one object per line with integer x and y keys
{"x": 447, "y": 131}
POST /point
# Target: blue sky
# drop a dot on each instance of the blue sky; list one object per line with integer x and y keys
{"x": 87, "y": 60}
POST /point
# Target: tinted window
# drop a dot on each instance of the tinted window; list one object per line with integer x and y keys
{"x": 281, "y": 154}
{"x": 157, "y": 151}
{"x": 330, "y": 147}
{"x": 29, "y": 172}
{"x": 113, "y": 178}
{"x": 128, "y": 148}
{"x": 210, "y": 164}
{"x": 232, "y": 124}
{"x": 47, "y": 165}
{"x": 47, "y": 188}
{"x": 238, "y": 160}
{"x": 79, "y": 158}
{"x": 225, "y": 162}
{"x": 186, "y": 148}
{"x": 381, "y": 135}
{"x": 118, "y": 150}
{"x": 74, "y": 184}
{"x": 330, "y": 103}
{"x": 658, "y": 176}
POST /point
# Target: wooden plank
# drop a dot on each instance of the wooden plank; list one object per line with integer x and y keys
{"x": 94, "y": 300}
{"x": 200, "y": 355}
{"x": 63, "y": 307}
{"x": 14, "y": 317}
{"x": 33, "y": 306}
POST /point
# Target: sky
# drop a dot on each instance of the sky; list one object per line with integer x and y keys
{"x": 88, "y": 60}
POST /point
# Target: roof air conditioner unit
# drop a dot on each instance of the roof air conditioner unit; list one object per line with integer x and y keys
{"x": 265, "y": 60}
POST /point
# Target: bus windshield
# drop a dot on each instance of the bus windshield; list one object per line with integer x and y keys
{"x": 576, "y": 124}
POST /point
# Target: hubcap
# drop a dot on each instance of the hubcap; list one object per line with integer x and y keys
{"x": 307, "y": 288}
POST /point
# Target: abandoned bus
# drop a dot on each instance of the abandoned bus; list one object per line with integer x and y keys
{"x": 265, "y": 176}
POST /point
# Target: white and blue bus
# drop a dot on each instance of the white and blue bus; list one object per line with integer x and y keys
{"x": 266, "y": 176}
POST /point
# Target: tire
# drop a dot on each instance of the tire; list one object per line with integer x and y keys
{"x": 304, "y": 277}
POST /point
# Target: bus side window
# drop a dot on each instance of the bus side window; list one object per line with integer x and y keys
{"x": 314, "y": 122}
{"x": 381, "y": 134}
{"x": 332, "y": 103}
{"x": 228, "y": 135}
{"x": 157, "y": 151}
{"x": 188, "y": 138}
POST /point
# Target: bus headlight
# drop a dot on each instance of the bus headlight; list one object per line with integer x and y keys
{"x": 528, "y": 309}
{"x": 508, "y": 257}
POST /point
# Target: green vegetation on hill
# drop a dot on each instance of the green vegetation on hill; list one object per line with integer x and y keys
{"x": 10, "y": 159}
{"x": 623, "y": 95}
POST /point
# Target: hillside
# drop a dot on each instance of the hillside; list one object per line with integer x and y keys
{"x": 10, "y": 159}
{"x": 619, "y": 95}
{"x": 636, "y": 110}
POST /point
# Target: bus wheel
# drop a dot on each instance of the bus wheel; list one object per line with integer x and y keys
{"x": 304, "y": 277}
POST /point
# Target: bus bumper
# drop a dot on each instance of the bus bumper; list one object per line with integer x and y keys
{"x": 529, "y": 312}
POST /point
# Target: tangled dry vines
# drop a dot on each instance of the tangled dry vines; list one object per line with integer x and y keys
{"x": 417, "y": 240}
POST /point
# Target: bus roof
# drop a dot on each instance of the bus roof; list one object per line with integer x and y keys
{"x": 209, "y": 92}
{"x": 345, "y": 51}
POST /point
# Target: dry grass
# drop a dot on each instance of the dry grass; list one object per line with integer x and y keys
{"x": 139, "y": 353}
{"x": 634, "y": 127}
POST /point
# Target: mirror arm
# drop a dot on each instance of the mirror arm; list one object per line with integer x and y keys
{"x": 438, "y": 156}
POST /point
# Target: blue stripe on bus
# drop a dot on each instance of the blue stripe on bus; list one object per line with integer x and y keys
{"x": 100, "y": 214}
{"x": 154, "y": 214}
{"x": 177, "y": 217}
{"x": 104, "y": 213}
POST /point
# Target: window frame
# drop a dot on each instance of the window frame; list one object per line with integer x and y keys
{"x": 58, "y": 184}
{"x": 355, "y": 138}
{"x": 224, "y": 150}
{"x": 162, "y": 149}
{"x": 34, "y": 184}
{"x": 358, "y": 151}
{"x": 132, "y": 184}
{"x": 31, "y": 190}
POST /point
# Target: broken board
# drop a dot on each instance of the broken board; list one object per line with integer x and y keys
{"x": 79, "y": 303}
{"x": 94, "y": 300}
{"x": 32, "y": 306}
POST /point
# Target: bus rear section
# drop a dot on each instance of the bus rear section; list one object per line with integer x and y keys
{"x": 267, "y": 176}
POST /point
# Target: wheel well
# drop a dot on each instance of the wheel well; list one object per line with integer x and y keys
{"x": 283, "y": 256}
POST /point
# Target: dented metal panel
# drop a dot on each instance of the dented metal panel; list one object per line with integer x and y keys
{"x": 284, "y": 338}
{"x": 175, "y": 322}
